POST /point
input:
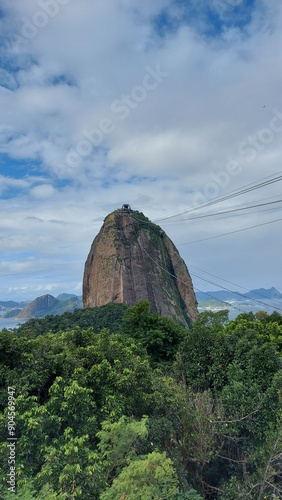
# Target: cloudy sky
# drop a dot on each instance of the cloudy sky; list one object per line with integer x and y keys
{"x": 169, "y": 105}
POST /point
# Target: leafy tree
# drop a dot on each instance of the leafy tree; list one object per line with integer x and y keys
{"x": 72, "y": 467}
{"x": 239, "y": 365}
{"x": 195, "y": 357}
{"x": 118, "y": 441}
{"x": 152, "y": 477}
{"x": 97, "y": 413}
{"x": 28, "y": 492}
{"x": 77, "y": 379}
{"x": 210, "y": 349}
{"x": 190, "y": 494}
{"x": 108, "y": 316}
{"x": 160, "y": 336}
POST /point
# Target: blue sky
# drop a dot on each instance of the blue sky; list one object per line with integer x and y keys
{"x": 147, "y": 103}
{"x": 210, "y": 19}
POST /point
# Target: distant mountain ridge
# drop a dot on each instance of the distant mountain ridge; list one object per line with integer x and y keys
{"x": 38, "y": 307}
{"x": 9, "y": 304}
{"x": 211, "y": 300}
{"x": 261, "y": 299}
{"x": 260, "y": 293}
{"x": 270, "y": 293}
{"x": 49, "y": 305}
{"x": 66, "y": 296}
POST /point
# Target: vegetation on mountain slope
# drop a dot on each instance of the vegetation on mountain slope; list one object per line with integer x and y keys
{"x": 119, "y": 403}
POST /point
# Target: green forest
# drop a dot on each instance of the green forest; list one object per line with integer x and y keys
{"x": 119, "y": 403}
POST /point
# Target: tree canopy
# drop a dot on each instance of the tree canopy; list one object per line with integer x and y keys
{"x": 119, "y": 402}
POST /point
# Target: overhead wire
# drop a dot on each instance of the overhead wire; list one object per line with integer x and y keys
{"x": 232, "y": 283}
{"x": 230, "y": 232}
{"x": 206, "y": 280}
{"x": 228, "y": 306}
{"x": 266, "y": 181}
{"x": 236, "y": 293}
{"x": 232, "y": 216}
{"x": 232, "y": 194}
{"x": 199, "y": 277}
{"x": 178, "y": 279}
{"x": 229, "y": 211}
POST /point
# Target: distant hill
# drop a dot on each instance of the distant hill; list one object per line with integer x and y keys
{"x": 108, "y": 316}
{"x": 47, "y": 304}
{"x": 258, "y": 294}
{"x": 38, "y": 307}
{"x": 67, "y": 305}
{"x": 10, "y": 308}
{"x": 66, "y": 296}
{"x": 268, "y": 300}
{"x": 9, "y": 304}
{"x": 218, "y": 294}
{"x": 270, "y": 293}
{"x": 12, "y": 313}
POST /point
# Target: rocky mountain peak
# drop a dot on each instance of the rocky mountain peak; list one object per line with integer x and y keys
{"x": 38, "y": 307}
{"x": 133, "y": 259}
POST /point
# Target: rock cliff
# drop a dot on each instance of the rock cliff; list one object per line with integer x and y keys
{"x": 133, "y": 259}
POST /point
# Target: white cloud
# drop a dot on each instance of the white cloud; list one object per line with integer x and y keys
{"x": 43, "y": 191}
{"x": 8, "y": 182}
{"x": 220, "y": 91}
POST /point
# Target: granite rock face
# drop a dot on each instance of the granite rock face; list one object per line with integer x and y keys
{"x": 133, "y": 259}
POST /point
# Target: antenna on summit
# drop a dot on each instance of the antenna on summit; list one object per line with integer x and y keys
{"x": 126, "y": 208}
